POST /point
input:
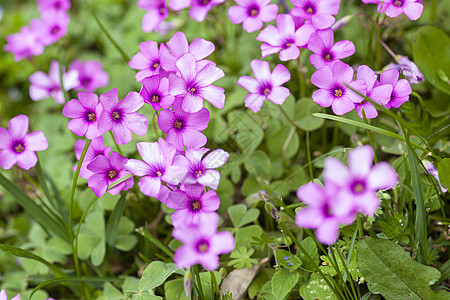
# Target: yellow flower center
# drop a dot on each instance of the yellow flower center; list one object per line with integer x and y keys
{"x": 112, "y": 174}
{"x": 338, "y": 93}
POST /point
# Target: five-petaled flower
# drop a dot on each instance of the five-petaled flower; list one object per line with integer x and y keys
{"x": 19, "y": 147}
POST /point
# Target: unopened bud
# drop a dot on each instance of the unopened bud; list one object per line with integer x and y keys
{"x": 188, "y": 281}
{"x": 272, "y": 210}
{"x": 342, "y": 22}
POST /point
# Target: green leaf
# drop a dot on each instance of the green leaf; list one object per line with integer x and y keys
{"x": 110, "y": 292}
{"x": 283, "y": 282}
{"x": 242, "y": 258}
{"x": 155, "y": 274}
{"x": 114, "y": 220}
{"x": 22, "y": 253}
{"x": 174, "y": 289}
{"x": 311, "y": 247}
{"x": 304, "y": 115}
{"x": 287, "y": 259}
{"x": 431, "y": 48}
{"x": 258, "y": 164}
{"x": 240, "y": 216}
{"x": 245, "y": 234}
{"x": 444, "y": 172}
{"x": 277, "y": 141}
{"x": 316, "y": 289}
{"x": 391, "y": 272}
{"x": 38, "y": 214}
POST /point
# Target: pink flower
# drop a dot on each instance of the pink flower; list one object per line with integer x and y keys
{"x": 147, "y": 60}
{"x": 157, "y": 11}
{"x": 318, "y": 12}
{"x": 252, "y": 13}
{"x": 90, "y": 75}
{"x": 155, "y": 91}
{"x": 44, "y": 5}
{"x": 359, "y": 183}
{"x": 191, "y": 204}
{"x": 200, "y": 170}
{"x": 333, "y": 82}
{"x": 195, "y": 84}
{"x": 393, "y": 8}
{"x": 401, "y": 89}
{"x": 24, "y": 44}
{"x": 326, "y": 52}
{"x": 408, "y": 69}
{"x": 433, "y": 172}
{"x": 160, "y": 165}
{"x": 45, "y": 86}
{"x": 319, "y": 214}
{"x": 19, "y": 147}
{"x": 202, "y": 244}
{"x": 284, "y": 38}
{"x": 266, "y": 85}
{"x": 376, "y": 92}
{"x": 184, "y": 129}
{"x": 121, "y": 117}
{"x": 199, "y": 8}
{"x": 85, "y": 114}
{"x": 179, "y": 46}
{"x": 106, "y": 171}
{"x": 96, "y": 148}
{"x": 52, "y": 26}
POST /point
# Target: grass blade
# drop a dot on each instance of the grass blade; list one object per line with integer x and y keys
{"x": 114, "y": 220}
{"x": 41, "y": 216}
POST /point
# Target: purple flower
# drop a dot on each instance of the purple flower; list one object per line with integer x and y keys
{"x": 266, "y": 85}
{"x": 184, "y": 129}
{"x": 85, "y": 114}
{"x": 45, "y": 5}
{"x": 408, "y": 69}
{"x": 401, "y": 89}
{"x": 147, "y": 60}
{"x": 18, "y": 147}
{"x": 3, "y": 296}
{"x": 191, "y": 204}
{"x": 393, "y": 8}
{"x": 90, "y": 74}
{"x": 201, "y": 170}
{"x": 155, "y": 91}
{"x": 199, "y": 8}
{"x": 24, "y": 44}
{"x": 106, "y": 172}
{"x": 195, "y": 84}
{"x": 121, "y": 117}
{"x": 333, "y": 82}
{"x": 359, "y": 183}
{"x": 157, "y": 11}
{"x": 284, "y": 38}
{"x": 252, "y": 13}
{"x": 202, "y": 244}
{"x": 179, "y": 46}
{"x": 45, "y": 86}
{"x": 319, "y": 214}
{"x": 160, "y": 165}
{"x": 433, "y": 172}
{"x": 96, "y": 148}
{"x": 381, "y": 94}
{"x": 318, "y": 12}
{"x": 326, "y": 52}
{"x": 52, "y": 26}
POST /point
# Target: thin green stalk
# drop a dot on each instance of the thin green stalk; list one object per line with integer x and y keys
{"x": 301, "y": 78}
{"x": 347, "y": 272}
{"x": 199, "y": 282}
{"x": 338, "y": 272}
{"x": 155, "y": 241}
{"x": 72, "y": 196}
{"x": 352, "y": 246}
{"x": 287, "y": 117}
{"x": 334, "y": 289}
{"x": 214, "y": 285}
{"x": 81, "y": 221}
{"x": 370, "y": 135}
{"x": 378, "y": 48}
{"x": 308, "y": 154}
{"x": 115, "y": 143}
{"x": 110, "y": 38}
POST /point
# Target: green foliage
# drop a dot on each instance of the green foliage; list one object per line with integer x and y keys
{"x": 283, "y": 282}
{"x": 391, "y": 272}
{"x": 316, "y": 288}
{"x": 430, "y": 47}
{"x": 444, "y": 172}
{"x": 240, "y": 216}
{"x": 241, "y": 258}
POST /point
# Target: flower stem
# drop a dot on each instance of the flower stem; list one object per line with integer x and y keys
{"x": 199, "y": 282}
{"x": 115, "y": 143}
{"x": 72, "y": 196}
{"x": 308, "y": 155}
{"x": 370, "y": 135}
{"x": 336, "y": 291}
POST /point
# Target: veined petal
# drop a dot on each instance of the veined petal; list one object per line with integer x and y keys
{"x": 18, "y": 127}
{"x": 211, "y": 178}
{"x": 215, "y": 159}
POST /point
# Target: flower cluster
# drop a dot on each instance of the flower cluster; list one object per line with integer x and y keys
{"x": 32, "y": 39}
{"x": 347, "y": 192}
{"x": 393, "y": 8}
